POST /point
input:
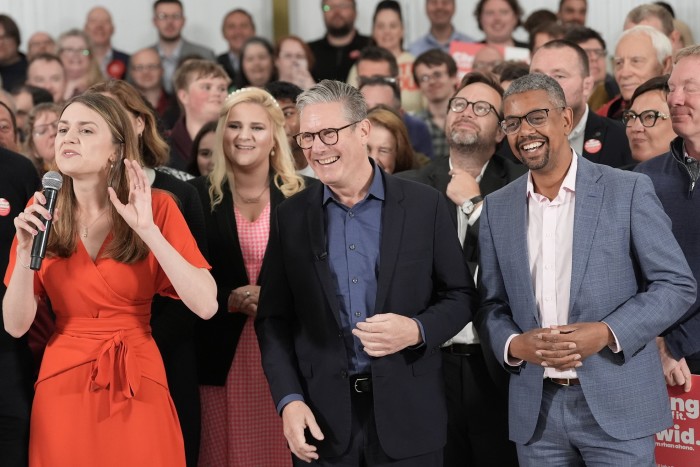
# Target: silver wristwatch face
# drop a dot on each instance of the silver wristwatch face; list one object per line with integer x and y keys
{"x": 467, "y": 207}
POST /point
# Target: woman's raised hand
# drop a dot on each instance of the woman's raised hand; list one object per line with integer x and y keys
{"x": 138, "y": 212}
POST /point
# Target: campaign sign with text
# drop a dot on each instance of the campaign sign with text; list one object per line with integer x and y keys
{"x": 679, "y": 445}
{"x": 466, "y": 54}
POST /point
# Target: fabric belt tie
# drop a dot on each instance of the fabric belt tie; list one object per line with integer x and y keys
{"x": 116, "y": 370}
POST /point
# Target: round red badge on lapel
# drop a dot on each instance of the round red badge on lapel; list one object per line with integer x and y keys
{"x": 4, "y": 207}
{"x": 116, "y": 69}
{"x": 592, "y": 146}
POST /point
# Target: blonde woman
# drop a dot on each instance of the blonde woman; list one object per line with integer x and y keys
{"x": 253, "y": 172}
{"x": 82, "y": 69}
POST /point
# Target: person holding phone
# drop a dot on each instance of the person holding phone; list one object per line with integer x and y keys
{"x": 294, "y": 61}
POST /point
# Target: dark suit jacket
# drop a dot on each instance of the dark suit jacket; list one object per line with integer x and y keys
{"x": 615, "y": 150}
{"x": 217, "y": 338}
{"x": 118, "y": 72}
{"x": 225, "y": 62}
{"x": 18, "y": 182}
{"x": 421, "y": 275}
{"x": 498, "y": 174}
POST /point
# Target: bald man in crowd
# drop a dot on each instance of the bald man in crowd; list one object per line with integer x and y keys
{"x": 100, "y": 29}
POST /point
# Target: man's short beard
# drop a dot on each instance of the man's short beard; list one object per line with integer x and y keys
{"x": 465, "y": 142}
{"x": 341, "y": 31}
{"x": 169, "y": 39}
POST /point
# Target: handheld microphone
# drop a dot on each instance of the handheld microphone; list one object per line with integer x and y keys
{"x": 51, "y": 182}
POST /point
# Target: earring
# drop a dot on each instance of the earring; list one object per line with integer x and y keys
{"x": 272, "y": 153}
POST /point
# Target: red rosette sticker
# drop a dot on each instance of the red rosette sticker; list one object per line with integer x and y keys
{"x": 116, "y": 69}
{"x": 4, "y": 207}
{"x": 592, "y": 146}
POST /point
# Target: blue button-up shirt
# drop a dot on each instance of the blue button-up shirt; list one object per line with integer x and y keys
{"x": 353, "y": 242}
{"x": 354, "y": 236}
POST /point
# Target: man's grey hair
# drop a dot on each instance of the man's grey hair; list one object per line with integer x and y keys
{"x": 662, "y": 44}
{"x": 328, "y": 91}
{"x": 650, "y": 10}
{"x": 538, "y": 82}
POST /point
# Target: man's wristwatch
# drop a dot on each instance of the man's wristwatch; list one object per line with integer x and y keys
{"x": 468, "y": 206}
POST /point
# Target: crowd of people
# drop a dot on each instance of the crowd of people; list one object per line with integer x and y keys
{"x": 253, "y": 261}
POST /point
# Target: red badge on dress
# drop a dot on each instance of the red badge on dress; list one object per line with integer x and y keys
{"x": 592, "y": 146}
{"x": 4, "y": 207}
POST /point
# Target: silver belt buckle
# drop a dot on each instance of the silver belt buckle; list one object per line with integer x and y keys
{"x": 355, "y": 385}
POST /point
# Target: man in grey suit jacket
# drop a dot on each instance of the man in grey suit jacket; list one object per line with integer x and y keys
{"x": 580, "y": 272}
{"x": 169, "y": 19}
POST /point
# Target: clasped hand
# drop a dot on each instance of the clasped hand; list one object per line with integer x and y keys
{"x": 244, "y": 300}
{"x": 561, "y": 347}
{"x": 387, "y": 333}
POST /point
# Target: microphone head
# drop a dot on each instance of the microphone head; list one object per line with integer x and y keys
{"x": 52, "y": 180}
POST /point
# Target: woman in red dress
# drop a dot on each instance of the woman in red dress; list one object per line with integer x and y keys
{"x": 102, "y": 397}
{"x": 253, "y": 172}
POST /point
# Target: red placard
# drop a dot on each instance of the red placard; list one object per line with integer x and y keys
{"x": 679, "y": 445}
{"x": 464, "y": 54}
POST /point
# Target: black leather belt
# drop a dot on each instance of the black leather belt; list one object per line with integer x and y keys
{"x": 564, "y": 381}
{"x": 463, "y": 349}
{"x": 361, "y": 384}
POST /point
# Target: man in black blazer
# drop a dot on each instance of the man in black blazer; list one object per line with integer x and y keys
{"x": 362, "y": 282}
{"x": 598, "y": 139}
{"x": 475, "y": 384}
{"x": 238, "y": 26}
{"x": 99, "y": 28}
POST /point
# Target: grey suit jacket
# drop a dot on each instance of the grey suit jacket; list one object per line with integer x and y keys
{"x": 190, "y": 48}
{"x": 627, "y": 270}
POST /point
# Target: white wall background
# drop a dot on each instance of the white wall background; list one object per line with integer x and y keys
{"x": 134, "y": 28}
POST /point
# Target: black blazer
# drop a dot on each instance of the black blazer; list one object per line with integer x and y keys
{"x": 615, "y": 150}
{"x": 217, "y": 338}
{"x": 421, "y": 275}
{"x": 611, "y": 133}
{"x": 225, "y": 61}
{"x": 498, "y": 174}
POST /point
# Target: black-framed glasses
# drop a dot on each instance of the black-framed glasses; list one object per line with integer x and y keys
{"x": 328, "y": 136}
{"x": 41, "y": 130}
{"x": 75, "y": 51}
{"x": 165, "y": 16}
{"x": 480, "y": 108}
{"x": 376, "y": 79}
{"x": 146, "y": 67}
{"x": 647, "y": 118}
{"x": 596, "y": 53}
{"x": 535, "y": 118}
{"x": 434, "y": 76}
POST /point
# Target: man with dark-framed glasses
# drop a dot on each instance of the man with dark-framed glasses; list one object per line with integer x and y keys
{"x": 475, "y": 384}
{"x": 596, "y": 138}
{"x": 362, "y": 281}
{"x": 576, "y": 260}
